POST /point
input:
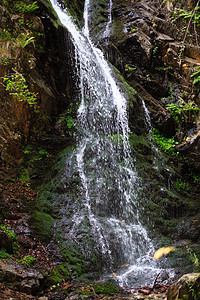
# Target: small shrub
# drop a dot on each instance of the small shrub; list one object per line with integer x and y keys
{"x": 27, "y": 260}
{"x": 181, "y": 186}
{"x": 22, "y": 7}
{"x": 165, "y": 144}
{"x": 4, "y": 254}
{"x": 16, "y": 85}
{"x": 24, "y": 40}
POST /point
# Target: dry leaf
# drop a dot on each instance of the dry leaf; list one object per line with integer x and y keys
{"x": 164, "y": 250}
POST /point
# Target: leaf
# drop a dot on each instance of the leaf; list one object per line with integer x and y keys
{"x": 163, "y": 251}
{"x": 196, "y": 80}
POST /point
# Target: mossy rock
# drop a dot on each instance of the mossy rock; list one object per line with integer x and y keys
{"x": 42, "y": 224}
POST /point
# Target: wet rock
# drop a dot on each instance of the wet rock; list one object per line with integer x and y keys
{"x": 187, "y": 287}
{"x": 5, "y": 242}
{"x": 191, "y": 149}
{"x": 16, "y": 276}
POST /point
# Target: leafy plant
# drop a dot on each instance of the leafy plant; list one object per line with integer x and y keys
{"x": 22, "y": 7}
{"x": 9, "y": 232}
{"x": 194, "y": 259}
{"x": 181, "y": 110}
{"x": 4, "y": 254}
{"x": 17, "y": 87}
{"x": 197, "y": 75}
{"x": 25, "y": 176}
{"x": 27, "y": 260}
{"x": 12, "y": 236}
{"x": 181, "y": 186}
{"x": 5, "y": 35}
{"x": 24, "y": 40}
{"x": 165, "y": 144}
{"x": 70, "y": 121}
{"x": 4, "y": 60}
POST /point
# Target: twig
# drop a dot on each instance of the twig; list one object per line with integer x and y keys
{"x": 155, "y": 281}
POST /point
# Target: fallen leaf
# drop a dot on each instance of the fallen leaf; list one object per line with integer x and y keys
{"x": 164, "y": 250}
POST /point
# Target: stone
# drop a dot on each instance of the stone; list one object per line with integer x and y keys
{"x": 145, "y": 42}
{"x": 187, "y": 287}
{"x": 18, "y": 277}
{"x": 5, "y": 242}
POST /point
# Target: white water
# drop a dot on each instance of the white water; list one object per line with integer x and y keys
{"x": 109, "y": 181}
{"x": 109, "y": 23}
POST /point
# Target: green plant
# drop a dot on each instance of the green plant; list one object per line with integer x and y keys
{"x": 165, "y": 144}
{"x": 183, "y": 110}
{"x": 27, "y": 260}
{"x": 22, "y": 7}
{"x": 181, "y": 186}
{"x": 16, "y": 85}
{"x": 70, "y": 121}
{"x": 9, "y": 232}
{"x": 5, "y": 35}
{"x": 4, "y": 254}
{"x": 194, "y": 259}
{"x": 25, "y": 175}
{"x": 12, "y": 236}
{"x": 155, "y": 51}
{"x": 197, "y": 75}
{"x": 133, "y": 29}
{"x": 4, "y": 60}
{"x": 24, "y": 40}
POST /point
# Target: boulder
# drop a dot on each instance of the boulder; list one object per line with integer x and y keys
{"x": 187, "y": 287}
{"x": 18, "y": 277}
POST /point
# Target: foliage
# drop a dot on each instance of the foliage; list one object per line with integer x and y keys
{"x": 9, "y": 232}
{"x": 70, "y": 121}
{"x": 193, "y": 13}
{"x": 5, "y": 35}
{"x": 165, "y": 144}
{"x": 24, "y": 40}
{"x": 4, "y": 60}
{"x": 12, "y": 236}
{"x": 17, "y": 87}
{"x": 181, "y": 186}
{"x": 194, "y": 259}
{"x": 27, "y": 260}
{"x": 22, "y": 7}
{"x": 180, "y": 111}
{"x": 25, "y": 177}
{"x": 196, "y": 73}
{"x": 4, "y": 254}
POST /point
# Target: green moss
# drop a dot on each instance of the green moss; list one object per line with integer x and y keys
{"x": 74, "y": 261}
{"x": 42, "y": 224}
{"x": 107, "y": 288}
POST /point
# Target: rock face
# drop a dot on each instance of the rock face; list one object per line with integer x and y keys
{"x": 19, "y": 277}
{"x": 47, "y": 68}
{"x": 187, "y": 287}
{"x": 191, "y": 149}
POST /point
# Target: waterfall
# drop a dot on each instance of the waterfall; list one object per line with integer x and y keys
{"x": 108, "y": 181}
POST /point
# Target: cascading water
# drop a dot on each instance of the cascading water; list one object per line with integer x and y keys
{"x": 108, "y": 200}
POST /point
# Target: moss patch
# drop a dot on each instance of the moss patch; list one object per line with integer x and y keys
{"x": 42, "y": 224}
